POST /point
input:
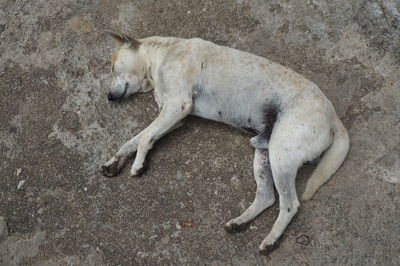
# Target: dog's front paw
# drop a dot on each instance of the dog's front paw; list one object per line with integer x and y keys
{"x": 112, "y": 167}
{"x": 138, "y": 170}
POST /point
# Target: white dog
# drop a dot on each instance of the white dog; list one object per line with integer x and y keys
{"x": 293, "y": 122}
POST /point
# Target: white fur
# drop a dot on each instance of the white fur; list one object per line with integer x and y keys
{"x": 245, "y": 91}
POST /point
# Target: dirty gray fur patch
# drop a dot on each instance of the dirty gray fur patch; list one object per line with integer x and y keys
{"x": 197, "y": 90}
{"x": 271, "y": 110}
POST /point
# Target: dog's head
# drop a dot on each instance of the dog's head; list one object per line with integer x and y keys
{"x": 128, "y": 68}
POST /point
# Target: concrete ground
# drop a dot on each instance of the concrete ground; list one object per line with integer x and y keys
{"x": 57, "y": 128}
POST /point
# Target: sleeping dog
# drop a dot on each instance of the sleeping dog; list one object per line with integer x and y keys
{"x": 291, "y": 119}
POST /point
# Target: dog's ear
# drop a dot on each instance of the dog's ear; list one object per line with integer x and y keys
{"x": 124, "y": 39}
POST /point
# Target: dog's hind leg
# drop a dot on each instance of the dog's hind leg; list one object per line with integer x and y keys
{"x": 284, "y": 175}
{"x": 264, "y": 195}
{"x": 298, "y": 136}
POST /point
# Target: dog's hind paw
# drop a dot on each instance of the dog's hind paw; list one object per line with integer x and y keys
{"x": 112, "y": 167}
{"x": 266, "y": 247}
{"x": 235, "y": 228}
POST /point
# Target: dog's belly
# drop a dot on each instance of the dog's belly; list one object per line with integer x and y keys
{"x": 234, "y": 111}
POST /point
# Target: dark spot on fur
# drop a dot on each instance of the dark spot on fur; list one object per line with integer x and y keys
{"x": 250, "y": 130}
{"x": 271, "y": 111}
{"x": 249, "y": 120}
{"x": 314, "y": 161}
{"x": 150, "y": 76}
{"x": 202, "y": 65}
{"x": 156, "y": 44}
{"x": 220, "y": 113}
{"x": 288, "y": 209}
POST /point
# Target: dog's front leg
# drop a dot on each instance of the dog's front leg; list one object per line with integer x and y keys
{"x": 115, "y": 164}
{"x": 169, "y": 118}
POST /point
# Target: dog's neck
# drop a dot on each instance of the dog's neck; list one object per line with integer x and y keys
{"x": 152, "y": 51}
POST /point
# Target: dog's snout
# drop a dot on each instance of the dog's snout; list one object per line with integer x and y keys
{"x": 111, "y": 97}
{"x": 118, "y": 92}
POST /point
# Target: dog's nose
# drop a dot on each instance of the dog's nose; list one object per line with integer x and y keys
{"x": 110, "y": 97}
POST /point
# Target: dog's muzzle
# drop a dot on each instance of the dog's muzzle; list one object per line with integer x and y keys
{"x": 112, "y": 97}
{"x": 118, "y": 93}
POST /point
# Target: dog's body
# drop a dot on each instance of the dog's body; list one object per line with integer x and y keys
{"x": 292, "y": 120}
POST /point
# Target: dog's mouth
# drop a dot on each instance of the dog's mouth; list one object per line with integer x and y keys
{"x": 125, "y": 90}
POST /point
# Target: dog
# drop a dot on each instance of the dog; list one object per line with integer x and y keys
{"x": 291, "y": 119}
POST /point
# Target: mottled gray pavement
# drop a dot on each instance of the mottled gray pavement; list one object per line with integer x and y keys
{"x": 57, "y": 128}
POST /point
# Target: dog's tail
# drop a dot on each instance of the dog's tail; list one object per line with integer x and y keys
{"x": 331, "y": 160}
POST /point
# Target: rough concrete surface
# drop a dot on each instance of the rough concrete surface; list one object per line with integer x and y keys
{"x": 57, "y": 128}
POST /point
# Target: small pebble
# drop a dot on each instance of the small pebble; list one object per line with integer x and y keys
{"x": 178, "y": 226}
{"x": 20, "y": 184}
{"x": 19, "y": 171}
